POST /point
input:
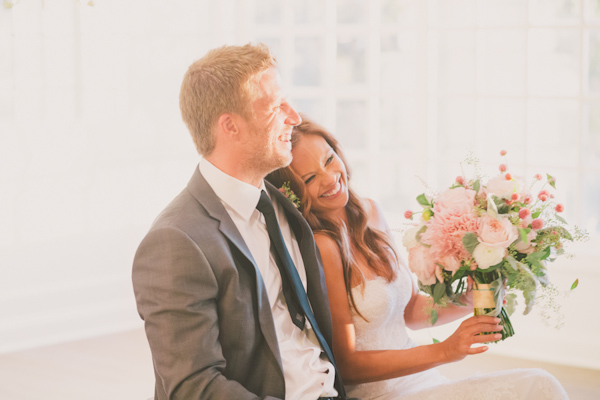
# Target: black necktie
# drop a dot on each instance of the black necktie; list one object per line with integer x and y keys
{"x": 290, "y": 280}
{"x": 293, "y": 290}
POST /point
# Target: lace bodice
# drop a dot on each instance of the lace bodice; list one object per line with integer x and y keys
{"x": 383, "y": 305}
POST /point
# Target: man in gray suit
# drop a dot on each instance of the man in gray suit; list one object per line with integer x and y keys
{"x": 206, "y": 281}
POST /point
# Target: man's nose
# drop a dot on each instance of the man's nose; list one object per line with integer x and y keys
{"x": 292, "y": 119}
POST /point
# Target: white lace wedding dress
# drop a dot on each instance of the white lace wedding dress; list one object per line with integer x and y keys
{"x": 383, "y": 304}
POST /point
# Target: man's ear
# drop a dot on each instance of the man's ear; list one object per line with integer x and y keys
{"x": 229, "y": 126}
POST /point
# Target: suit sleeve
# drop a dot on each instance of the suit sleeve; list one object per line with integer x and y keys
{"x": 176, "y": 293}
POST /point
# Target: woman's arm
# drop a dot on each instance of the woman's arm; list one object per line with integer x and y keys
{"x": 369, "y": 366}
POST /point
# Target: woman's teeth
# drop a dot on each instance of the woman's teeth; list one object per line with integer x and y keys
{"x": 333, "y": 191}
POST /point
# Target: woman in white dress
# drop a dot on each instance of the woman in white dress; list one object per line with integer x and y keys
{"x": 373, "y": 297}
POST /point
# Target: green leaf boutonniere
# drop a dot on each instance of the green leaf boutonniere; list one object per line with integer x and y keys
{"x": 289, "y": 193}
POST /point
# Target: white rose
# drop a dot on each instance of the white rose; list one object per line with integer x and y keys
{"x": 486, "y": 255}
{"x": 409, "y": 239}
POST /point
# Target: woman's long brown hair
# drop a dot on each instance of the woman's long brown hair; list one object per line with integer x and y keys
{"x": 354, "y": 239}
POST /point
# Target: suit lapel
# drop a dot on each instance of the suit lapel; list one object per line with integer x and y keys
{"x": 202, "y": 191}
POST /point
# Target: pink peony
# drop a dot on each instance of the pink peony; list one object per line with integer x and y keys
{"x": 508, "y": 176}
{"x": 537, "y": 224}
{"x": 421, "y": 263}
{"x": 502, "y": 167}
{"x": 559, "y": 208}
{"x": 460, "y": 180}
{"x": 458, "y": 200}
{"x": 502, "y": 152}
{"x": 408, "y": 214}
{"x": 445, "y": 232}
{"x": 538, "y": 177}
{"x": 514, "y": 196}
{"x": 497, "y": 232}
{"x": 543, "y": 197}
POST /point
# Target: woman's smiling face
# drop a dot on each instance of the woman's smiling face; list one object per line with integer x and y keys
{"x": 322, "y": 171}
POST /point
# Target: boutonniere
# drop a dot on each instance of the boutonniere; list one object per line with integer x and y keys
{"x": 289, "y": 193}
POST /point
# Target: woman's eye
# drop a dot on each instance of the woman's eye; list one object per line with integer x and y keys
{"x": 329, "y": 160}
{"x": 306, "y": 182}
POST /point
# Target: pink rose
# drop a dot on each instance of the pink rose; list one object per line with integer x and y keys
{"x": 420, "y": 262}
{"x": 497, "y": 232}
{"x": 457, "y": 201}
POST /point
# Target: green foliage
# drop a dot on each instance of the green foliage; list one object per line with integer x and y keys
{"x": 523, "y": 232}
{"x": 476, "y": 186}
{"x": 422, "y": 200}
{"x": 439, "y": 290}
{"x": 551, "y": 180}
{"x": 561, "y": 219}
{"x": 575, "y": 284}
{"x": 470, "y": 241}
{"x": 433, "y": 316}
{"x": 435, "y": 341}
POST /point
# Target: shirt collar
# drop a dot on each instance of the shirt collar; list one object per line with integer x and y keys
{"x": 240, "y": 196}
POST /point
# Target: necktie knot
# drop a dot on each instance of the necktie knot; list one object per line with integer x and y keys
{"x": 264, "y": 204}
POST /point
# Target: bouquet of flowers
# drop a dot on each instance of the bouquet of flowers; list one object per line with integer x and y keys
{"x": 496, "y": 232}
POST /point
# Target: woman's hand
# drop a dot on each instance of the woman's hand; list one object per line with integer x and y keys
{"x": 458, "y": 345}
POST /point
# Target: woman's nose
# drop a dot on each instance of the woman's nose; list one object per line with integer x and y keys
{"x": 330, "y": 178}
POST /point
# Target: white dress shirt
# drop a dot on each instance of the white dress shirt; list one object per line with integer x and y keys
{"x": 307, "y": 372}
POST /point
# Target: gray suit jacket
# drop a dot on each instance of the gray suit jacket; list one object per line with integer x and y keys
{"x": 206, "y": 312}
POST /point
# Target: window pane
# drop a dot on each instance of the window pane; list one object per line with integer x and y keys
{"x": 269, "y": 12}
{"x": 351, "y": 67}
{"x": 456, "y": 61}
{"x": 399, "y": 124}
{"x": 591, "y": 136}
{"x": 308, "y": 57}
{"x": 554, "y": 62}
{"x": 552, "y": 126}
{"x": 312, "y": 108}
{"x": 592, "y": 11}
{"x": 401, "y": 12}
{"x": 591, "y": 203}
{"x": 593, "y": 62}
{"x": 351, "y": 11}
{"x": 455, "y": 13}
{"x": 455, "y": 133}
{"x": 554, "y": 12}
{"x": 309, "y": 12}
{"x": 351, "y": 123}
{"x": 501, "y": 12}
{"x": 399, "y": 62}
{"x": 497, "y": 132}
{"x": 502, "y": 61}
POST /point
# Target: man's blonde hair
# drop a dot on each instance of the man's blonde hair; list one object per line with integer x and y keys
{"x": 219, "y": 83}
